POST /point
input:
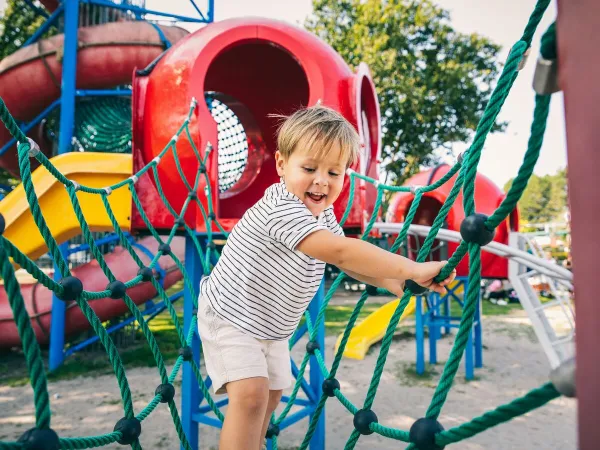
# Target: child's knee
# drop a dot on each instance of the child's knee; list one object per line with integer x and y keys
{"x": 253, "y": 396}
{"x": 274, "y": 399}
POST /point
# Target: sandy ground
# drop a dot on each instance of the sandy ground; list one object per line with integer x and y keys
{"x": 513, "y": 364}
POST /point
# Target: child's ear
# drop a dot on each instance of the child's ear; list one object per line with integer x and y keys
{"x": 279, "y": 163}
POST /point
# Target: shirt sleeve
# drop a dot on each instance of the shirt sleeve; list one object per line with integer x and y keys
{"x": 332, "y": 223}
{"x": 290, "y": 221}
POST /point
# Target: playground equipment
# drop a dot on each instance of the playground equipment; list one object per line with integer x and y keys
{"x": 90, "y": 64}
{"x": 427, "y": 432}
{"x": 488, "y": 198}
{"x": 255, "y": 67}
{"x": 89, "y": 169}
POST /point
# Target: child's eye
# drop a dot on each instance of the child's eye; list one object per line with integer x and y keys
{"x": 333, "y": 174}
{"x": 309, "y": 169}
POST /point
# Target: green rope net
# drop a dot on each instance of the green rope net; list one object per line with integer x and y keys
{"x": 69, "y": 288}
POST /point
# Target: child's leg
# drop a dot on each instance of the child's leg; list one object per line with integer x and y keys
{"x": 274, "y": 399}
{"x": 248, "y": 400}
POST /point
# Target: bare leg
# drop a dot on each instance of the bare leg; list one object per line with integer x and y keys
{"x": 274, "y": 399}
{"x": 248, "y": 401}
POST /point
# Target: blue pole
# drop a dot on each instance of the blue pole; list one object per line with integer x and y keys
{"x": 434, "y": 326}
{"x": 420, "y": 335}
{"x": 478, "y": 336}
{"x": 316, "y": 376}
{"x": 190, "y": 399}
{"x": 67, "y": 117}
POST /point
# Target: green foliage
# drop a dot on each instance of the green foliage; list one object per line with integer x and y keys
{"x": 544, "y": 199}
{"x": 432, "y": 82}
{"x": 17, "y": 24}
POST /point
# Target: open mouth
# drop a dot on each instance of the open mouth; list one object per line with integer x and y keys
{"x": 316, "y": 197}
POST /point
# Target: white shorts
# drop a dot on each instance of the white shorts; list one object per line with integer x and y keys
{"x": 232, "y": 355}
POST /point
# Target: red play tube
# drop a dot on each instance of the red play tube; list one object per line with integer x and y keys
{"x": 107, "y": 55}
{"x": 38, "y": 299}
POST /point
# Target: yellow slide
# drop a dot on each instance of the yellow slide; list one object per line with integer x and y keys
{"x": 372, "y": 329}
{"x": 90, "y": 169}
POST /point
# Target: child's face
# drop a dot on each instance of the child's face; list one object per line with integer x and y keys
{"x": 316, "y": 181}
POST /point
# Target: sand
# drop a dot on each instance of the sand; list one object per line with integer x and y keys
{"x": 514, "y": 363}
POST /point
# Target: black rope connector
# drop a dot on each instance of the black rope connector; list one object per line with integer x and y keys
{"x": 415, "y": 288}
{"x": 212, "y": 216}
{"x": 2, "y": 224}
{"x": 362, "y": 419}
{"x": 130, "y": 430}
{"x": 202, "y": 168}
{"x": 39, "y": 439}
{"x": 329, "y": 386}
{"x": 422, "y": 434}
{"x": 473, "y": 230}
{"x": 180, "y": 222}
{"x": 165, "y": 249}
{"x": 272, "y": 431}
{"x": 186, "y": 352}
{"x": 72, "y": 288}
{"x": 312, "y": 347}
{"x": 371, "y": 290}
{"x": 166, "y": 392}
{"x": 195, "y": 312}
{"x": 146, "y": 273}
{"x": 117, "y": 289}
{"x": 212, "y": 245}
{"x": 192, "y": 195}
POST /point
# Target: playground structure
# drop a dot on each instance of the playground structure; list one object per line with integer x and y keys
{"x": 200, "y": 239}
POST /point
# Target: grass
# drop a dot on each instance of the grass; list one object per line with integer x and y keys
{"x": 14, "y": 373}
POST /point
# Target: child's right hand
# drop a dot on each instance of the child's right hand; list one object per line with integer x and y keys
{"x": 427, "y": 271}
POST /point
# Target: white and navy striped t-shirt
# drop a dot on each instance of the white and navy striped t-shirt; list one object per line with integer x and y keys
{"x": 261, "y": 283}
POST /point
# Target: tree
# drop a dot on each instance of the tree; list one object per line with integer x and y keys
{"x": 432, "y": 82}
{"x": 17, "y": 24}
{"x": 544, "y": 199}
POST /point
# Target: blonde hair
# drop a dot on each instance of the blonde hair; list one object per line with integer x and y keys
{"x": 319, "y": 128}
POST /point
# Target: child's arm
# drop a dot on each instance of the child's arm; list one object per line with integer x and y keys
{"x": 396, "y": 287}
{"x": 360, "y": 257}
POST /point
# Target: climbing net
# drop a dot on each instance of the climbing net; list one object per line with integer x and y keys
{"x": 425, "y": 434}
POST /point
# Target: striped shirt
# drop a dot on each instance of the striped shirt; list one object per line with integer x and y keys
{"x": 261, "y": 283}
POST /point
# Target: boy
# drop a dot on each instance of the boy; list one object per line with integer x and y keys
{"x": 273, "y": 264}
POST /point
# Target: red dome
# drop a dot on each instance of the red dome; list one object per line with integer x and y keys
{"x": 488, "y": 197}
{"x": 256, "y": 67}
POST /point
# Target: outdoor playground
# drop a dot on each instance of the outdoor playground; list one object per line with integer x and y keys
{"x": 102, "y": 249}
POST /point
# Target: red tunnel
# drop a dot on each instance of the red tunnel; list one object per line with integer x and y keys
{"x": 488, "y": 197}
{"x": 251, "y": 68}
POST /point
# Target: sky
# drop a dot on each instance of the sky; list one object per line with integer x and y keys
{"x": 502, "y": 22}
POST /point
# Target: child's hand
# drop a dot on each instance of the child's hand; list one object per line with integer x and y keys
{"x": 427, "y": 271}
{"x": 396, "y": 287}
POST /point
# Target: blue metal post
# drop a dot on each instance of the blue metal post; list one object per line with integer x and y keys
{"x": 469, "y": 356}
{"x": 434, "y": 326}
{"x": 478, "y": 336}
{"x": 190, "y": 400}
{"x": 420, "y": 335}
{"x": 67, "y": 117}
{"x": 316, "y": 376}
{"x": 447, "y": 313}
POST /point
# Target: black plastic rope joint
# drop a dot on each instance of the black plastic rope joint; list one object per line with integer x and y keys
{"x": 211, "y": 245}
{"x": 272, "y": 431}
{"x": 2, "y": 224}
{"x": 202, "y": 169}
{"x": 371, "y": 290}
{"x": 212, "y": 216}
{"x": 422, "y": 434}
{"x": 72, "y": 288}
{"x": 117, "y": 289}
{"x": 146, "y": 273}
{"x": 312, "y": 347}
{"x": 363, "y": 419}
{"x": 165, "y": 249}
{"x": 414, "y": 287}
{"x": 186, "y": 352}
{"x": 473, "y": 230}
{"x": 192, "y": 195}
{"x": 130, "y": 430}
{"x": 166, "y": 392}
{"x": 329, "y": 387}
{"x": 39, "y": 439}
